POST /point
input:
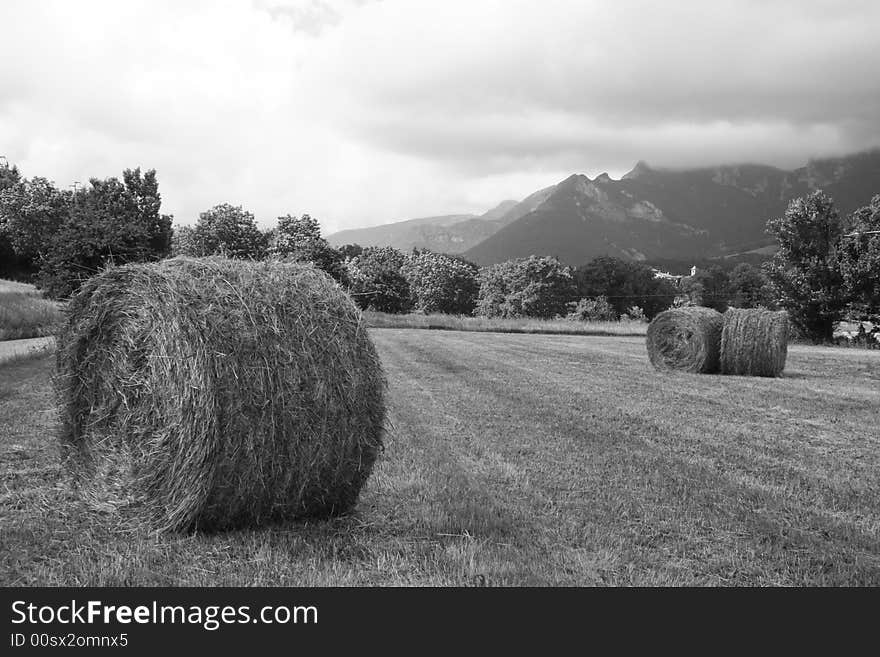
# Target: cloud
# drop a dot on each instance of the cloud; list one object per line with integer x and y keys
{"x": 533, "y": 77}
{"x": 366, "y": 112}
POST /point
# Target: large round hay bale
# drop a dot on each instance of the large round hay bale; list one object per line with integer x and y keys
{"x": 213, "y": 394}
{"x": 686, "y": 339}
{"x": 754, "y": 342}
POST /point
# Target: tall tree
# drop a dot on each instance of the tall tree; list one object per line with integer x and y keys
{"x": 860, "y": 260}
{"x": 625, "y": 284}
{"x": 440, "y": 283}
{"x": 748, "y": 287}
{"x": 299, "y": 238}
{"x": 70, "y": 237}
{"x": 712, "y": 287}
{"x": 108, "y": 222}
{"x": 527, "y": 287}
{"x": 376, "y": 280}
{"x": 226, "y": 230}
{"x": 11, "y": 263}
{"x": 805, "y": 270}
{"x": 144, "y": 190}
{"x": 31, "y": 212}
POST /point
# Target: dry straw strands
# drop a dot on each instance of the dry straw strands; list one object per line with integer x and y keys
{"x": 216, "y": 394}
{"x": 754, "y": 342}
{"x": 685, "y": 339}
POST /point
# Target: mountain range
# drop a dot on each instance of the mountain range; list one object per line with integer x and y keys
{"x": 649, "y": 214}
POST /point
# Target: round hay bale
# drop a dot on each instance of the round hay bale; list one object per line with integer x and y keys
{"x": 214, "y": 394}
{"x": 686, "y": 339}
{"x": 754, "y": 342}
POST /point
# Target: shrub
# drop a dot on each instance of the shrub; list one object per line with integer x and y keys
{"x": 592, "y": 310}
{"x": 635, "y": 314}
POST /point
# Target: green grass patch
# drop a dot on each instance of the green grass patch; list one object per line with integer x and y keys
{"x": 24, "y": 313}
{"x": 497, "y": 325}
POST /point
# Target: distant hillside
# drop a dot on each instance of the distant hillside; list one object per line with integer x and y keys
{"x": 445, "y": 234}
{"x": 453, "y": 233}
{"x": 661, "y": 213}
{"x": 650, "y": 213}
{"x": 436, "y": 233}
{"x": 583, "y": 218}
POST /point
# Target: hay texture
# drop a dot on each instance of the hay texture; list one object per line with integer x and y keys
{"x": 754, "y": 342}
{"x": 686, "y": 339}
{"x": 214, "y": 394}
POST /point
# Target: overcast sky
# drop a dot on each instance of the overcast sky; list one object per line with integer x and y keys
{"x": 362, "y": 112}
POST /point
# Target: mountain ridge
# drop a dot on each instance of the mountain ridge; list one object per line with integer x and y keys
{"x": 675, "y": 213}
{"x": 650, "y": 212}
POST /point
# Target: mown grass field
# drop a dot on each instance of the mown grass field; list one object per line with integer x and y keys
{"x": 520, "y": 460}
{"x": 24, "y": 313}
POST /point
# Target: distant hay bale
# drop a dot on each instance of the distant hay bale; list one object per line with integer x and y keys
{"x": 754, "y": 342}
{"x": 686, "y": 339}
{"x": 214, "y": 394}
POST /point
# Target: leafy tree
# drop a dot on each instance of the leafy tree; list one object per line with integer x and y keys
{"x": 182, "y": 241}
{"x": 70, "y": 237}
{"x": 9, "y": 175}
{"x": 350, "y": 250}
{"x": 31, "y": 212}
{"x": 625, "y": 284}
{"x": 226, "y": 230}
{"x": 299, "y": 238}
{"x": 634, "y": 313}
{"x": 748, "y": 287}
{"x": 692, "y": 289}
{"x": 708, "y": 287}
{"x": 109, "y": 222}
{"x": 376, "y": 280}
{"x": 296, "y": 235}
{"x": 143, "y": 189}
{"x": 537, "y": 286}
{"x": 592, "y": 310}
{"x": 440, "y": 283}
{"x": 859, "y": 258}
{"x": 805, "y": 270}
{"x": 12, "y": 264}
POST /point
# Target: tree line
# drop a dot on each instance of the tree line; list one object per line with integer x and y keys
{"x": 826, "y": 267}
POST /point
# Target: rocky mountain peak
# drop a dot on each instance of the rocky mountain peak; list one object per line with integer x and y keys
{"x": 640, "y": 170}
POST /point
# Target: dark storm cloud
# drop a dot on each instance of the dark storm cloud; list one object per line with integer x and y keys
{"x": 542, "y": 78}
